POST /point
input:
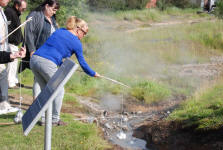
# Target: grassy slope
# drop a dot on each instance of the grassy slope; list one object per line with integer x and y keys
{"x": 155, "y": 15}
{"x": 83, "y": 136}
{"x": 204, "y": 110}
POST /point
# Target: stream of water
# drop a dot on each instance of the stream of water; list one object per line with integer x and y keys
{"x": 129, "y": 142}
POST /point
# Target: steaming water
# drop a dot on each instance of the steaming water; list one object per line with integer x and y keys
{"x": 114, "y": 105}
{"x": 130, "y": 141}
{"x": 111, "y": 102}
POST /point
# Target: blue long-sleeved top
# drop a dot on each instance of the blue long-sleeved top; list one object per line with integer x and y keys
{"x": 62, "y": 44}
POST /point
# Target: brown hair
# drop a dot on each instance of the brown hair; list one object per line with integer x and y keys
{"x": 18, "y": 2}
{"x": 51, "y": 3}
{"x": 74, "y": 22}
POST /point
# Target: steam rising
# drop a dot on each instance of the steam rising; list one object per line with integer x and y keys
{"x": 155, "y": 53}
{"x": 111, "y": 102}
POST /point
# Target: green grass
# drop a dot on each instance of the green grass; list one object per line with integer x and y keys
{"x": 188, "y": 13}
{"x": 204, "y": 110}
{"x": 81, "y": 84}
{"x": 210, "y": 34}
{"x": 142, "y": 15}
{"x": 24, "y": 91}
{"x": 183, "y": 86}
{"x": 75, "y": 136}
{"x": 26, "y": 77}
{"x": 150, "y": 91}
{"x": 156, "y": 15}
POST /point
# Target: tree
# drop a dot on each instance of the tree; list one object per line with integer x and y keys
{"x": 67, "y": 8}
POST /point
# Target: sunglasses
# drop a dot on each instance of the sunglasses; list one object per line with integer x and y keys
{"x": 84, "y": 32}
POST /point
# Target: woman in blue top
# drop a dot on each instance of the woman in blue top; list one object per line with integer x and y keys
{"x": 61, "y": 44}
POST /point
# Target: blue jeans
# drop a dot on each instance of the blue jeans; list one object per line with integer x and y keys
{"x": 43, "y": 69}
{"x": 3, "y": 83}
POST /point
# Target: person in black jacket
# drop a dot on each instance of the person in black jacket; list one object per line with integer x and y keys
{"x": 13, "y": 16}
{"x": 37, "y": 31}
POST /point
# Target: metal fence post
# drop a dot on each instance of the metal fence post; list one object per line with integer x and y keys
{"x": 48, "y": 128}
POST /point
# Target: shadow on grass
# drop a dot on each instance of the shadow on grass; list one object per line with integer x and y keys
{"x": 27, "y": 87}
{"x": 7, "y": 117}
{"x": 24, "y": 106}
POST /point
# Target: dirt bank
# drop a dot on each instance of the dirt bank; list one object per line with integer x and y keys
{"x": 164, "y": 135}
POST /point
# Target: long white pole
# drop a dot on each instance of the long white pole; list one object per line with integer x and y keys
{"x": 4, "y": 38}
{"x": 114, "y": 81}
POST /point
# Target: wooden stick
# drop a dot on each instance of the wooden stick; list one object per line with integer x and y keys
{"x": 7, "y": 123}
{"x": 114, "y": 81}
{"x": 4, "y": 38}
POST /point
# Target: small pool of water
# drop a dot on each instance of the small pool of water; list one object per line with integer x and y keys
{"x": 129, "y": 142}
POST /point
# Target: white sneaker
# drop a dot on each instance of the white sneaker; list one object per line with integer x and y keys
{"x": 5, "y": 108}
{"x": 12, "y": 85}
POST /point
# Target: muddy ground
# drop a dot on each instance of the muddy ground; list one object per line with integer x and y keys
{"x": 163, "y": 135}
{"x": 166, "y": 135}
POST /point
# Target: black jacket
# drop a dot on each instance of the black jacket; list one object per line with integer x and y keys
{"x": 12, "y": 14}
{"x": 34, "y": 30}
{"x": 33, "y": 33}
{"x": 5, "y": 57}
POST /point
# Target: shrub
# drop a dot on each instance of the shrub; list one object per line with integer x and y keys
{"x": 117, "y": 4}
{"x": 214, "y": 40}
{"x": 181, "y": 3}
{"x": 203, "y": 111}
{"x": 149, "y": 92}
{"x": 163, "y": 4}
{"x": 136, "y": 4}
{"x": 219, "y": 9}
{"x": 67, "y": 7}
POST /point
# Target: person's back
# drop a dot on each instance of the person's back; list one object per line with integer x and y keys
{"x": 62, "y": 44}
{"x": 13, "y": 17}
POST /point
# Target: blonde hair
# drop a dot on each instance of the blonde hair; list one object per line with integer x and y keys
{"x": 74, "y": 22}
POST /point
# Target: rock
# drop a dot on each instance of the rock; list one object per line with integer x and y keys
{"x": 108, "y": 126}
{"x": 121, "y": 135}
{"x": 139, "y": 112}
{"x": 125, "y": 119}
